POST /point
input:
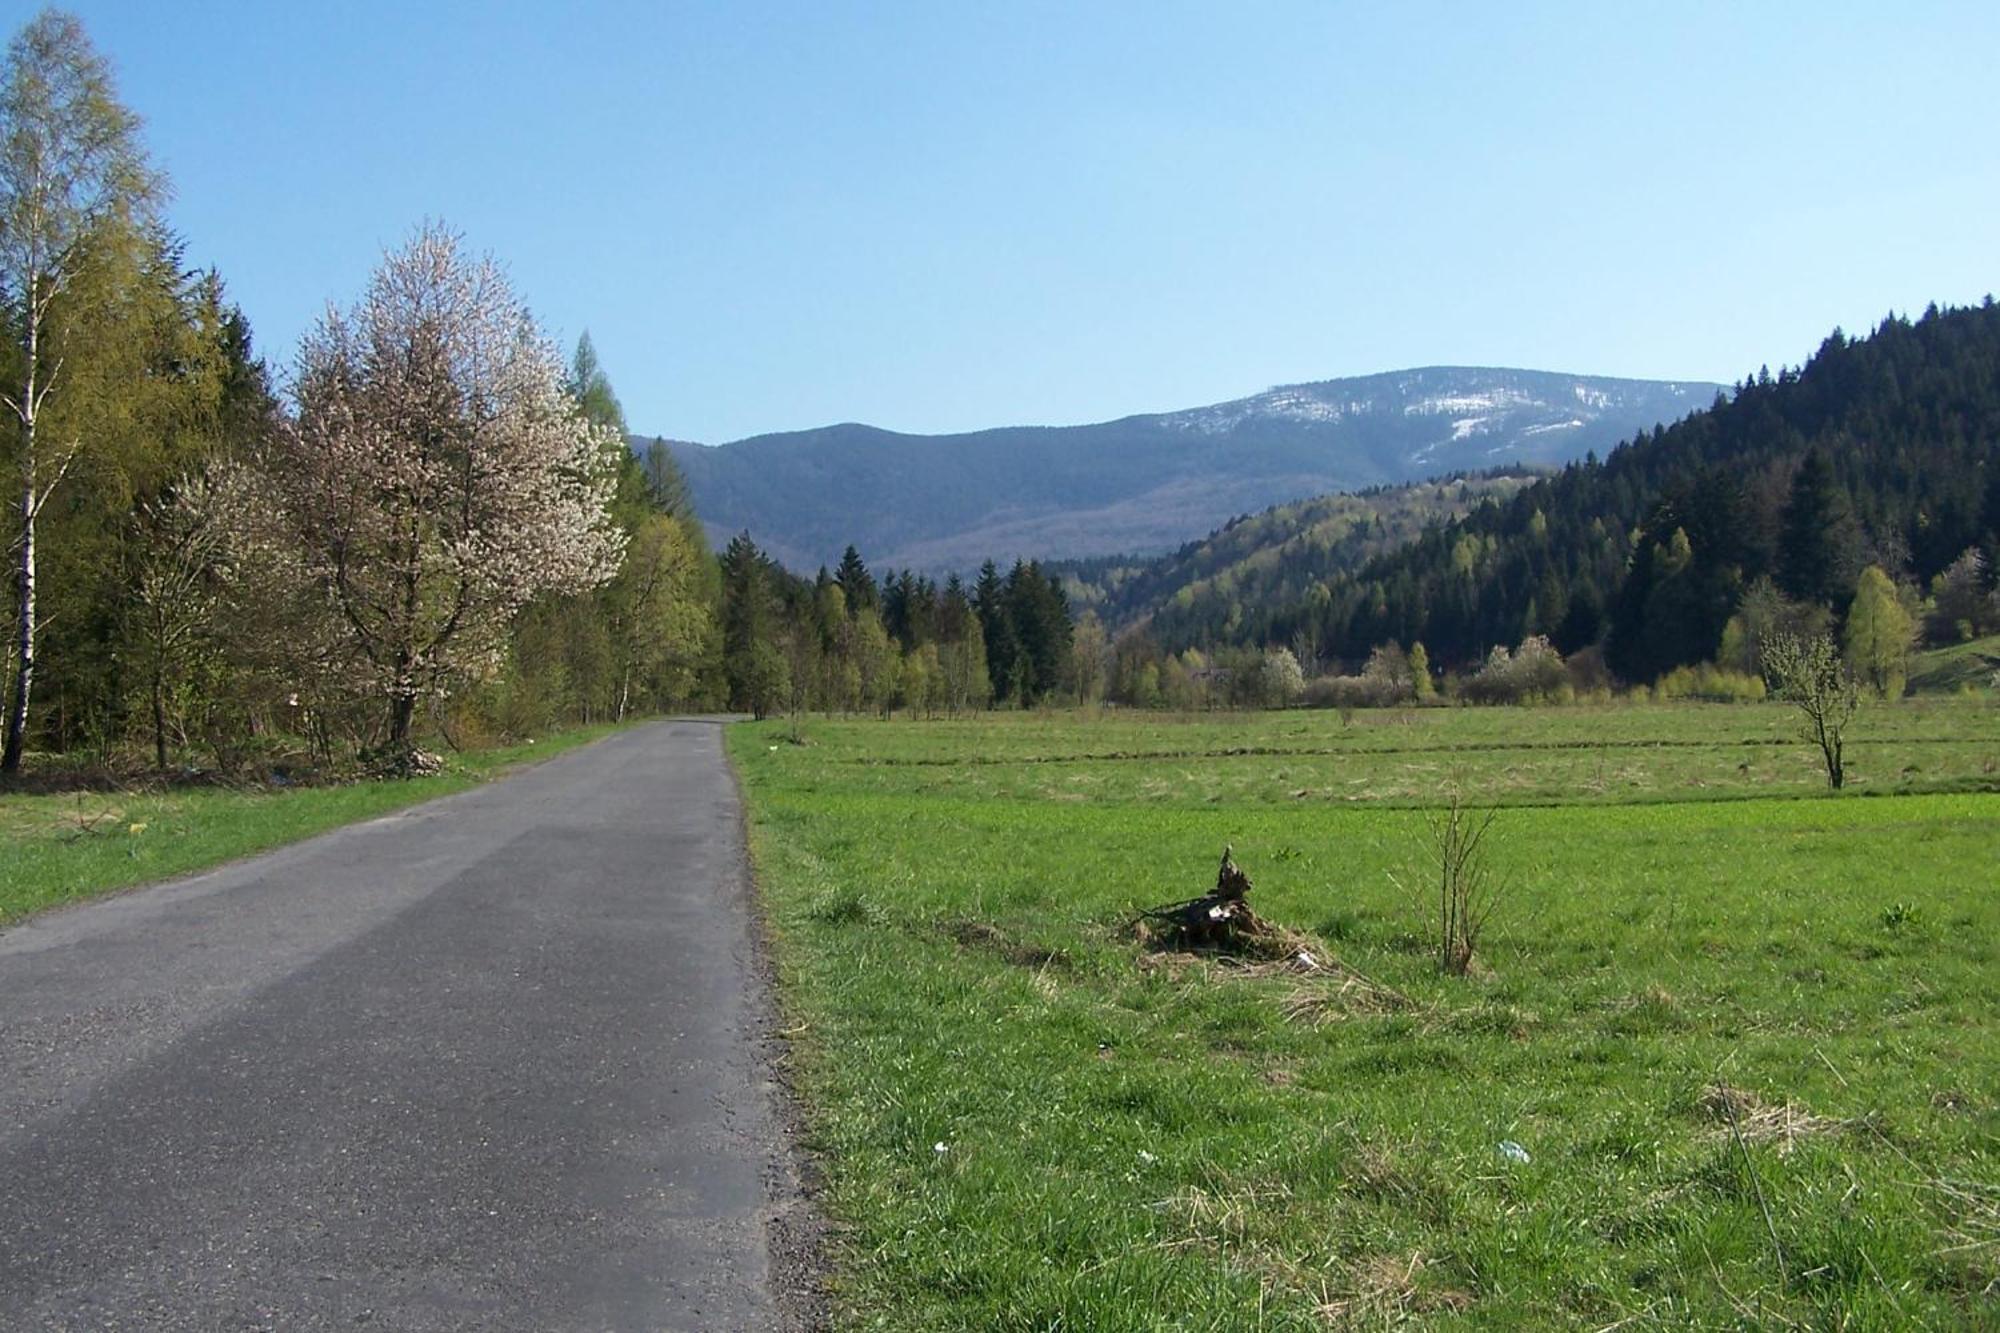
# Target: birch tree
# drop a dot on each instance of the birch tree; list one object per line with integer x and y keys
{"x": 437, "y": 475}
{"x": 72, "y": 171}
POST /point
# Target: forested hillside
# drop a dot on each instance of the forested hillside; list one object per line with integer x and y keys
{"x": 1276, "y": 555}
{"x": 1879, "y": 452}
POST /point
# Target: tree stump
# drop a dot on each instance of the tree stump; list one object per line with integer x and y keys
{"x": 1220, "y": 919}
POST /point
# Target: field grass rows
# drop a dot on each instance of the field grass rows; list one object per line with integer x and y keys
{"x": 1688, "y": 1013}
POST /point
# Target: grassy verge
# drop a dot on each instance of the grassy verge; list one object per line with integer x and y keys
{"x": 60, "y": 848}
{"x": 1750, "y": 1046}
{"x": 1966, "y": 666}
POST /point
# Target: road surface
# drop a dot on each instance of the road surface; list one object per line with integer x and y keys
{"x": 499, "y": 1061}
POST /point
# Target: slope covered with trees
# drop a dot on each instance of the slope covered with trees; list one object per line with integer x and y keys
{"x": 1879, "y": 452}
{"x": 1277, "y": 555}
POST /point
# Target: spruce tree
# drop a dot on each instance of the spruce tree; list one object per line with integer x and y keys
{"x": 748, "y": 629}
{"x": 855, "y": 580}
{"x": 1820, "y": 542}
{"x": 996, "y": 627}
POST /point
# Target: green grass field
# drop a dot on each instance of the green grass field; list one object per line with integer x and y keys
{"x": 59, "y": 848}
{"x": 1965, "y": 666}
{"x": 1712, "y": 993}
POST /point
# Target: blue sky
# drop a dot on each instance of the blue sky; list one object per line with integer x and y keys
{"x": 939, "y": 216}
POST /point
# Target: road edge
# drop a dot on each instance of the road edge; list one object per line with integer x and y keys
{"x": 796, "y": 1230}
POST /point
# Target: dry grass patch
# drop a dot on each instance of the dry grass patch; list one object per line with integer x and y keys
{"x": 1740, "y": 1113}
{"x": 1383, "y": 1289}
{"x": 1368, "y": 1291}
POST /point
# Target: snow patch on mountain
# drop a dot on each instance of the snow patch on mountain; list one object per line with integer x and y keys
{"x": 1454, "y": 404}
{"x": 1289, "y": 403}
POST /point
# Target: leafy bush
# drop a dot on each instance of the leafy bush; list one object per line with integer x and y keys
{"x": 1280, "y": 680}
{"x": 1711, "y": 684}
{"x": 1531, "y": 674}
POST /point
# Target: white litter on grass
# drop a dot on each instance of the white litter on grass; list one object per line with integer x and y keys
{"x": 1514, "y": 1152}
{"x": 940, "y": 1148}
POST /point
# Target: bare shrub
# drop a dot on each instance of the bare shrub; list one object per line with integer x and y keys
{"x": 1810, "y": 675}
{"x": 1462, "y": 890}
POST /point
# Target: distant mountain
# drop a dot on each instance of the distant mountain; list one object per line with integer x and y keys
{"x": 1145, "y": 484}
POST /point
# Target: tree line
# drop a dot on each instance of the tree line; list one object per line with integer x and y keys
{"x": 435, "y": 526}
{"x": 844, "y": 641}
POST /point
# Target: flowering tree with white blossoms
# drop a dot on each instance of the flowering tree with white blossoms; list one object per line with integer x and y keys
{"x": 436, "y": 476}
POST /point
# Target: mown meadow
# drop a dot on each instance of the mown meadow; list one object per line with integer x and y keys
{"x": 1745, "y": 1034}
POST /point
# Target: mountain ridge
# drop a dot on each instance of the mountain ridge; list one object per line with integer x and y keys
{"x": 1148, "y": 482}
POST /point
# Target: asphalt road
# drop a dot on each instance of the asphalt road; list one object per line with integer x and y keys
{"x": 500, "y": 1061}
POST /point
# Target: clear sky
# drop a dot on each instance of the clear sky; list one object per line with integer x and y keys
{"x": 943, "y": 215}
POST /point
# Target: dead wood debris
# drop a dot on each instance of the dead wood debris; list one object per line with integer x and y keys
{"x": 1221, "y": 927}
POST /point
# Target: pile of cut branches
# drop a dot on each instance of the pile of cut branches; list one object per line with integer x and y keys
{"x": 1221, "y": 926}
{"x": 1221, "y": 921}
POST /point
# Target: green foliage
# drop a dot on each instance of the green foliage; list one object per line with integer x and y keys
{"x": 591, "y": 388}
{"x": 1820, "y": 541}
{"x": 1287, "y": 552}
{"x": 1879, "y": 634}
{"x": 102, "y": 362}
{"x": 1420, "y": 674}
{"x": 1710, "y": 683}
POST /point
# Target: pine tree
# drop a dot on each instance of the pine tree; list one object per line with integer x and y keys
{"x": 855, "y": 580}
{"x": 996, "y": 627}
{"x": 1819, "y": 545}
